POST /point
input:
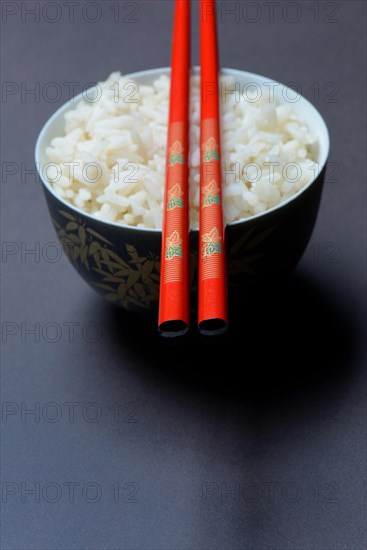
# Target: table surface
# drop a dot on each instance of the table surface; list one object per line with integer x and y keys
{"x": 129, "y": 445}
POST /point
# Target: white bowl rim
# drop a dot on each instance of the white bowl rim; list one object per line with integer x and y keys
{"x": 166, "y": 70}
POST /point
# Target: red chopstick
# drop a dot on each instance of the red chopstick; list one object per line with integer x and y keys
{"x": 174, "y": 313}
{"x": 213, "y": 315}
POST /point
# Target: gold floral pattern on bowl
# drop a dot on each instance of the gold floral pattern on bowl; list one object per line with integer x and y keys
{"x": 131, "y": 283}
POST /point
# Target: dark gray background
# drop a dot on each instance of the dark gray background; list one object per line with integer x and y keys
{"x": 283, "y": 426}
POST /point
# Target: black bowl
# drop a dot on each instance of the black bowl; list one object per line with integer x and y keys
{"x": 122, "y": 263}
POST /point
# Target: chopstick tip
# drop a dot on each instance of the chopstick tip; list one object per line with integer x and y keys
{"x": 213, "y": 327}
{"x": 173, "y": 331}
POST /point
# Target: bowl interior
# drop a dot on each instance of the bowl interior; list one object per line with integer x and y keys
{"x": 246, "y": 83}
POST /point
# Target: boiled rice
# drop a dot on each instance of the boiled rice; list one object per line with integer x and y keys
{"x": 111, "y": 161}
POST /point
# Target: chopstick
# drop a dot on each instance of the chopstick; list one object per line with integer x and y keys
{"x": 174, "y": 313}
{"x": 212, "y": 308}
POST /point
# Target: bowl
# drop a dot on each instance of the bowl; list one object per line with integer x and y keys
{"x": 122, "y": 263}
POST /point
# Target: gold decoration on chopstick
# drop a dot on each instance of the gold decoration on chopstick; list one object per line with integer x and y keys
{"x": 210, "y": 150}
{"x": 176, "y": 154}
{"x": 173, "y": 246}
{"x": 211, "y": 243}
{"x": 175, "y": 197}
{"x": 211, "y": 194}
